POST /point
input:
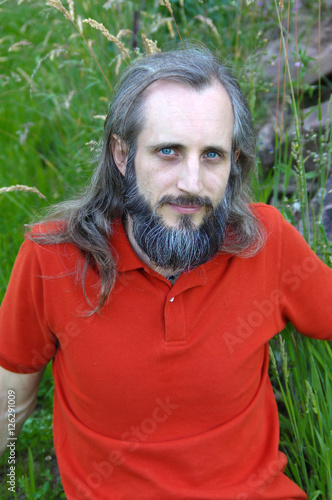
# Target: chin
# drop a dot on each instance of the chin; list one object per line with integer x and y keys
{"x": 182, "y": 222}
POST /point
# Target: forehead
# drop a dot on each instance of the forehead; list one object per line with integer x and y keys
{"x": 175, "y": 112}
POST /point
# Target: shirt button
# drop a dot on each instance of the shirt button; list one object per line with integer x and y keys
{"x": 172, "y": 299}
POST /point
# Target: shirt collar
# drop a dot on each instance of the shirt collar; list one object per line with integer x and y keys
{"x": 125, "y": 257}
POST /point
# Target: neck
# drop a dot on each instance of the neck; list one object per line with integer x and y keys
{"x": 167, "y": 273}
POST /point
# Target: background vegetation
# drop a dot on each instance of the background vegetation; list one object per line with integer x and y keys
{"x": 53, "y": 98}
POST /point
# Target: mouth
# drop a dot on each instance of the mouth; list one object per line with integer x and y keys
{"x": 185, "y": 209}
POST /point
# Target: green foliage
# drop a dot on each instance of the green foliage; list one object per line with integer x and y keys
{"x": 52, "y": 95}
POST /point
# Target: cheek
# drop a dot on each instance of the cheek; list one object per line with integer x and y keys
{"x": 217, "y": 185}
{"x": 153, "y": 184}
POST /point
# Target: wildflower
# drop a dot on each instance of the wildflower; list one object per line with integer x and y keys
{"x": 298, "y": 64}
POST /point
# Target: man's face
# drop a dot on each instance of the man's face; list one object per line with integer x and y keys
{"x": 184, "y": 149}
{"x": 174, "y": 195}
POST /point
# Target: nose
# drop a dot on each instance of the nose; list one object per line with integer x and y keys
{"x": 190, "y": 176}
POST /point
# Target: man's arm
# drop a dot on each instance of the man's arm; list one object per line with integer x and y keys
{"x": 19, "y": 392}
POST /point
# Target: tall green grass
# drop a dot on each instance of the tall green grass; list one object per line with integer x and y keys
{"x": 52, "y": 95}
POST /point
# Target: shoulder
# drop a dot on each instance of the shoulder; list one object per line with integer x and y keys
{"x": 45, "y": 243}
{"x": 265, "y": 213}
{"x": 271, "y": 219}
{"x": 45, "y": 229}
{"x": 280, "y": 233}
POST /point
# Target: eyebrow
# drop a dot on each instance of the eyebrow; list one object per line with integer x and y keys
{"x": 175, "y": 145}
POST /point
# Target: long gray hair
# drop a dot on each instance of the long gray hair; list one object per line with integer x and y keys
{"x": 86, "y": 221}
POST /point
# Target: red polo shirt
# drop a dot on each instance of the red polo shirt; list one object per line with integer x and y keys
{"x": 165, "y": 394}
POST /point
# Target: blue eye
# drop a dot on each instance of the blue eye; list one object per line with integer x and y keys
{"x": 211, "y": 154}
{"x": 167, "y": 151}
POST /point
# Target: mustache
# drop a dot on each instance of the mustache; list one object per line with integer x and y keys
{"x": 186, "y": 200}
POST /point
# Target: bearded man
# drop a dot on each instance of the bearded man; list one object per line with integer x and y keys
{"x": 155, "y": 294}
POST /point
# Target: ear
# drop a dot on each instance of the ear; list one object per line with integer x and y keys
{"x": 120, "y": 153}
{"x": 237, "y": 154}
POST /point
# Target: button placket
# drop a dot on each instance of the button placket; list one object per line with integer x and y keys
{"x": 174, "y": 317}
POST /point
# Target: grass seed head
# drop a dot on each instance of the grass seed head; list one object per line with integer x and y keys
{"x": 71, "y": 8}
{"x": 98, "y": 26}
{"x": 310, "y": 397}
{"x": 150, "y": 46}
{"x": 118, "y": 64}
{"x": 170, "y": 29}
{"x": 273, "y": 361}
{"x": 166, "y": 3}
{"x": 284, "y": 358}
{"x": 124, "y": 33}
{"x": 208, "y": 22}
{"x": 17, "y": 46}
{"x": 20, "y": 187}
{"x": 58, "y": 5}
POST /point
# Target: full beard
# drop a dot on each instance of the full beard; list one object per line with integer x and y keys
{"x": 179, "y": 248}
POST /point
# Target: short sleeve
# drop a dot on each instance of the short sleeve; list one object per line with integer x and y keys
{"x": 26, "y": 342}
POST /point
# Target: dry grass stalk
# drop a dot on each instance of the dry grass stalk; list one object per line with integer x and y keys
{"x": 69, "y": 98}
{"x": 20, "y": 187}
{"x": 118, "y": 64}
{"x": 166, "y": 3}
{"x": 150, "y": 46}
{"x": 16, "y": 46}
{"x": 208, "y": 22}
{"x": 170, "y": 29}
{"x": 58, "y": 5}
{"x": 71, "y": 8}
{"x": 98, "y": 26}
{"x": 124, "y": 32}
{"x": 100, "y": 117}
